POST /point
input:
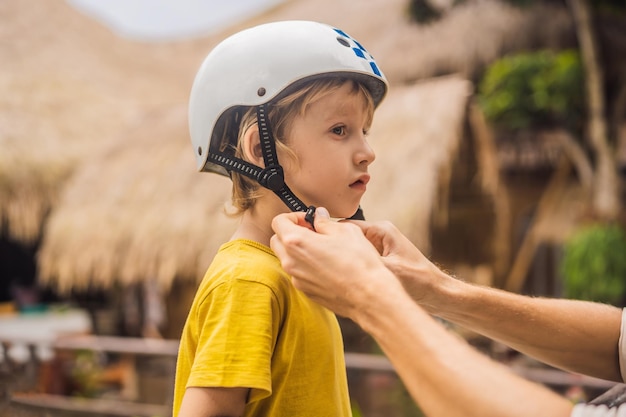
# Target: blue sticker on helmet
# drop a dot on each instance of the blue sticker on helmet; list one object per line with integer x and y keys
{"x": 375, "y": 69}
{"x": 360, "y": 51}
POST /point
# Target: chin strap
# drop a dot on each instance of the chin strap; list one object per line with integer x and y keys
{"x": 310, "y": 216}
{"x": 358, "y": 215}
{"x": 272, "y": 176}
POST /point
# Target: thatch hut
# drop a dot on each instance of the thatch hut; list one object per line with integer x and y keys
{"x": 70, "y": 84}
{"x": 73, "y": 86}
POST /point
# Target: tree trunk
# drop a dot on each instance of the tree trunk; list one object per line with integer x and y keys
{"x": 605, "y": 199}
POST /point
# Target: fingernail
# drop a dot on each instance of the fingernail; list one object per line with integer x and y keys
{"x": 321, "y": 211}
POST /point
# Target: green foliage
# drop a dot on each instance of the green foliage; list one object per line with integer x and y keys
{"x": 538, "y": 89}
{"x": 356, "y": 410}
{"x": 594, "y": 264}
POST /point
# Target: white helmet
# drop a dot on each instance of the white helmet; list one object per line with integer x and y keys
{"x": 253, "y": 67}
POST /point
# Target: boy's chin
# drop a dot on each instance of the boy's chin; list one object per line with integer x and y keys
{"x": 344, "y": 214}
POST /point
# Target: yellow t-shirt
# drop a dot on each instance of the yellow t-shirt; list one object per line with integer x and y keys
{"x": 249, "y": 327}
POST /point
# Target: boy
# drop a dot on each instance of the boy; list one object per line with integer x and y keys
{"x": 301, "y": 93}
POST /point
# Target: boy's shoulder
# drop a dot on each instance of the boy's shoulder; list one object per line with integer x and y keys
{"x": 246, "y": 247}
{"x": 246, "y": 260}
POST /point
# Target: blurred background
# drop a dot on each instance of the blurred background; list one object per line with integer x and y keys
{"x": 501, "y": 153}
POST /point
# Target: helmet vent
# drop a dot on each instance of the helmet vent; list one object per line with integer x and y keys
{"x": 261, "y": 92}
{"x": 343, "y": 41}
{"x": 200, "y": 150}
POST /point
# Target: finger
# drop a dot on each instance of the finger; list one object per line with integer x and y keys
{"x": 324, "y": 224}
{"x": 364, "y": 225}
{"x": 292, "y": 234}
{"x": 373, "y": 233}
{"x": 286, "y": 221}
{"x": 321, "y": 216}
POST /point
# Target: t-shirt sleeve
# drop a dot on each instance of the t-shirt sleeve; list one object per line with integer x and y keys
{"x": 238, "y": 325}
{"x": 588, "y": 410}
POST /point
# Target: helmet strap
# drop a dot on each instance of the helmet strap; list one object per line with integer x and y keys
{"x": 358, "y": 215}
{"x": 270, "y": 177}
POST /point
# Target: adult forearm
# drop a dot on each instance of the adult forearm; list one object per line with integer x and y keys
{"x": 574, "y": 335}
{"x": 444, "y": 374}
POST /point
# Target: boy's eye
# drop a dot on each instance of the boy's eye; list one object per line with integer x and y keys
{"x": 339, "y": 130}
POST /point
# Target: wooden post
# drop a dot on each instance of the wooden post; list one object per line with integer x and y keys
{"x": 530, "y": 243}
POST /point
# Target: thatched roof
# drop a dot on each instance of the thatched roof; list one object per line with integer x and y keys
{"x": 141, "y": 211}
{"x": 137, "y": 211}
{"x": 67, "y": 86}
{"x": 469, "y": 37}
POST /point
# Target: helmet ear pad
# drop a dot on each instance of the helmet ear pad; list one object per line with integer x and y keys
{"x": 251, "y": 146}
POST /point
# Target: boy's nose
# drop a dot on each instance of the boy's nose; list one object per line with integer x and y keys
{"x": 366, "y": 154}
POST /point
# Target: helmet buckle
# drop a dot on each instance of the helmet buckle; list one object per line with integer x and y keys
{"x": 272, "y": 178}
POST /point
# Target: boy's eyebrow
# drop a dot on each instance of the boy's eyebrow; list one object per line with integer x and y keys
{"x": 345, "y": 118}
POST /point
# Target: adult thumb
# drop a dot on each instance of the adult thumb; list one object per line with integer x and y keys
{"x": 322, "y": 216}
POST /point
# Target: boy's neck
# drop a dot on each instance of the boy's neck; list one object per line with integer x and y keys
{"x": 256, "y": 222}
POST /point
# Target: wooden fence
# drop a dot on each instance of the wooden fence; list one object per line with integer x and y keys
{"x": 135, "y": 348}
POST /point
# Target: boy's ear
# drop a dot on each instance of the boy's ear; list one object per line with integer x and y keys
{"x": 252, "y": 146}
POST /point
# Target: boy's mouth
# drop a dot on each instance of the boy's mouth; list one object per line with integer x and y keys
{"x": 361, "y": 182}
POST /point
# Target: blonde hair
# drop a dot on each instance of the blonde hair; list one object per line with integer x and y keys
{"x": 281, "y": 112}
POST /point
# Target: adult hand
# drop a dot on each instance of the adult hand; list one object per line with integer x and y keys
{"x": 420, "y": 277}
{"x": 335, "y": 266}
{"x": 339, "y": 268}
